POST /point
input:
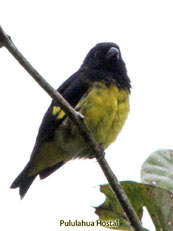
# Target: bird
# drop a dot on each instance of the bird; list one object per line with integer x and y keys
{"x": 99, "y": 90}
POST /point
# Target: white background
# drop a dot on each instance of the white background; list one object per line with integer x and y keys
{"x": 55, "y": 36}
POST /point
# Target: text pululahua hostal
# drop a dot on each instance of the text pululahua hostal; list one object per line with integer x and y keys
{"x": 102, "y": 223}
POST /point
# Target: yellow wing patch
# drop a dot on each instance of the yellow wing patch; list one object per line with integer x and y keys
{"x": 58, "y": 112}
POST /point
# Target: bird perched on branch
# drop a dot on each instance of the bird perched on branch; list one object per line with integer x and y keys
{"x": 99, "y": 90}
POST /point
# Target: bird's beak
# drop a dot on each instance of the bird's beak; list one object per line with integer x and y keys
{"x": 112, "y": 52}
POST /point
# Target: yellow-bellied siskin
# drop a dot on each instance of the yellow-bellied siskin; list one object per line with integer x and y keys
{"x": 100, "y": 91}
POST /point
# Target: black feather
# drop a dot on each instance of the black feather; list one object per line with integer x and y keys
{"x": 23, "y": 182}
{"x": 45, "y": 173}
{"x": 97, "y": 67}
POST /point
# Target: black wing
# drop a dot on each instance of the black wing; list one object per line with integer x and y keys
{"x": 72, "y": 90}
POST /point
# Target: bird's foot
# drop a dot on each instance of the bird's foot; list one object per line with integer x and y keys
{"x": 101, "y": 154}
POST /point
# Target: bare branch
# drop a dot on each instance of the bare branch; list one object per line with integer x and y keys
{"x": 96, "y": 149}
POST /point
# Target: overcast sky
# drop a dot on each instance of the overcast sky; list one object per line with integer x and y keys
{"x": 55, "y": 36}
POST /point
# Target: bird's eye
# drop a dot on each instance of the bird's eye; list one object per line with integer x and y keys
{"x": 112, "y": 52}
{"x": 95, "y": 54}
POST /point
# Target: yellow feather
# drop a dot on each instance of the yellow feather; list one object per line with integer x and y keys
{"x": 58, "y": 111}
{"x": 105, "y": 109}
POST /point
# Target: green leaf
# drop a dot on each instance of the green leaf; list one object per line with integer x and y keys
{"x": 158, "y": 201}
{"x": 111, "y": 210}
{"x": 158, "y": 169}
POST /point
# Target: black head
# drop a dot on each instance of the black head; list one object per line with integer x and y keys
{"x": 106, "y": 58}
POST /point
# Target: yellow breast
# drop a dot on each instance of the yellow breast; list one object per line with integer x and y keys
{"x": 105, "y": 109}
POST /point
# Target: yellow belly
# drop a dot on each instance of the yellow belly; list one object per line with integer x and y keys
{"x": 105, "y": 110}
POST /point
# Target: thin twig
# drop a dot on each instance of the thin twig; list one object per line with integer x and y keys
{"x": 96, "y": 149}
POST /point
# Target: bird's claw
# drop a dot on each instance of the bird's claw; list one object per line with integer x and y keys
{"x": 102, "y": 153}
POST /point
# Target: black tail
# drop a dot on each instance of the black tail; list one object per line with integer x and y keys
{"x": 23, "y": 182}
{"x": 45, "y": 173}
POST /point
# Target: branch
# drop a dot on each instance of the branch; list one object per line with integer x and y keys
{"x": 78, "y": 119}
